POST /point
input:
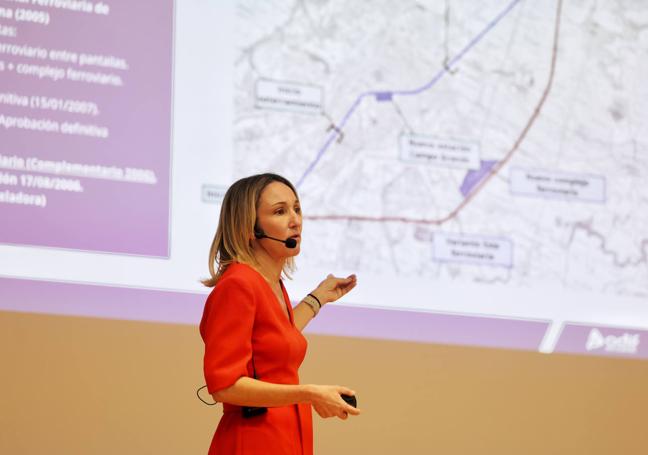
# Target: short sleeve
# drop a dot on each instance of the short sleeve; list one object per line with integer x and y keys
{"x": 226, "y": 329}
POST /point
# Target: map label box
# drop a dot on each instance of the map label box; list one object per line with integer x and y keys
{"x": 472, "y": 249}
{"x": 439, "y": 152}
{"x": 557, "y": 185}
{"x": 289, "y": 96}
{"x": 213, "y": 194}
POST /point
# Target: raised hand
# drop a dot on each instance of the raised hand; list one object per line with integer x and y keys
{"x": 332, "y": 288}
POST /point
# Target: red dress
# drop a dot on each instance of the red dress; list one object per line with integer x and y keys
{"x": 242, "y": 317}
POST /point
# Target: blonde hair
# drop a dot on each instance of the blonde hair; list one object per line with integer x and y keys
{"x": 238, "y": 217}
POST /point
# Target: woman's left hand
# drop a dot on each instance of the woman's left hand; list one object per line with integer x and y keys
{"x": 332, "y": 288}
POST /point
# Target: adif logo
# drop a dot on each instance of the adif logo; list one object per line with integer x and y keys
{"x": 626, "y": 343}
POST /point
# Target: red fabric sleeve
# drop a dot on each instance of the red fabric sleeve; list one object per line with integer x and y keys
{"x": 226, "y": 329}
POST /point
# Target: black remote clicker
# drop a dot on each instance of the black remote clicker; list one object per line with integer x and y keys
{"x": 350, "y": 399}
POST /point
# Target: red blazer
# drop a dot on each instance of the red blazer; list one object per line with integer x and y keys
{"x": 242, "y": 317}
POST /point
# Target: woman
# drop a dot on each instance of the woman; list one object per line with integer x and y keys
{"x": 253, "y": 340}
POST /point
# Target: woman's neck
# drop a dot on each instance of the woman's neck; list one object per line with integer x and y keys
{"x": 268, "y": 267}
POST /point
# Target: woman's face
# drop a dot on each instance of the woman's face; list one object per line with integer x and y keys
{"x": 279, "y": 216}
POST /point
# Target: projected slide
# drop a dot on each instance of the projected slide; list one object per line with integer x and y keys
{"x": 480, "y": 167}
{"x": 86, "y": 124}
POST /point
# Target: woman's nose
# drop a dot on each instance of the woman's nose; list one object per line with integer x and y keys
{"x": 295, "y": 218}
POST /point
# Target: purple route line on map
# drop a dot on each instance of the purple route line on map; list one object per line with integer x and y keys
{"x": 382, "y": 94}
{"x": 472, "y": 178}
{"x": 495, "y": 169}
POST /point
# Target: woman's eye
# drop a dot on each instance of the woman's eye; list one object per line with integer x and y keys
{"x": 279, "y": 211}
{"x": 297, "y": 209}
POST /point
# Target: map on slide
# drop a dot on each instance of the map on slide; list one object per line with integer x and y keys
{"x": 484, "y": 142}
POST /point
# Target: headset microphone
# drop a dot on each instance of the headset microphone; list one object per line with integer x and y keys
{"x": 289, "y": 242}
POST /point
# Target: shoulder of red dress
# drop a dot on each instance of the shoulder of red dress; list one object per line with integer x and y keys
{"x": 242, "y": 270}
{"x": 239, "y": 274}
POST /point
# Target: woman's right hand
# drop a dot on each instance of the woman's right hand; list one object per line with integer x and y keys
{"x": 327, "y": 401}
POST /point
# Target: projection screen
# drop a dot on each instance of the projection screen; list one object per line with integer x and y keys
{"x": 482, "y": 168}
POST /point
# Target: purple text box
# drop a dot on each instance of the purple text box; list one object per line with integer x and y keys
{"x": 440, "y": 328}
{"x": 25, "y": 295}
{"x": 100, "y": 301}
{"x": 130, "y": 51}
